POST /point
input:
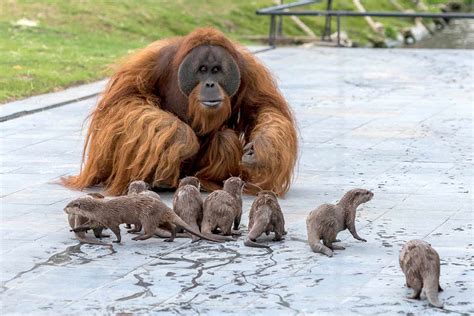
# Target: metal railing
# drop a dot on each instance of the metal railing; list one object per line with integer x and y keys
{"x": 283, "y": 10}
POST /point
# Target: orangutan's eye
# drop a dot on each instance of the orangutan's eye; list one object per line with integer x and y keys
{"x": 203, "y": 69}
{"x": 215, "y": 69}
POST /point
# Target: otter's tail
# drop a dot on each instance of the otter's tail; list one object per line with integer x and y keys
{"x": 313, "y": 240}
{"x": 431, "y": 291}
{"x": 207, "y": 231}
{"x": 83, "y": 239}
{"x": 219, "y": 237}
{"x": 163, "y": 233}
{"x": 178, "y": 221}
{"x": 257, "y": 229}
{"x": 250, "y": 243}
{"x": 196, "y": 228}
{"x": 316, "y": 246}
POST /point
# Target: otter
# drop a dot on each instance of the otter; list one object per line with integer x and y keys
{"x": 140, "y": 210}
{"x": 421, "y": 266}
{"x": 325, "y": 222}
{"x": 223, "y": 208}
{"x": 76, "y": 221}
{"x": 141, "y": 187}
{"x": 265, "y": 217}
{"x": 188, "y": 204}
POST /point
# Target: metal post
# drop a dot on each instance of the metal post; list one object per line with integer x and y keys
{"x": 338, "y": 30}
{"x": 280, "y": 23}
{"x": 327, "y": 27}
{"x": 271, "y": 35}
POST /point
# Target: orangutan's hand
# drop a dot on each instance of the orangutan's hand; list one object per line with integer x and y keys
{"x": 248, "y": 158}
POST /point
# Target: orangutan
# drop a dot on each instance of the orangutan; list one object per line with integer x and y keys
{"x": 198, "y": 105}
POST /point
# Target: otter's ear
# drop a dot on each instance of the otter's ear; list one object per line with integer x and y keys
{"x": 76, "y": 204}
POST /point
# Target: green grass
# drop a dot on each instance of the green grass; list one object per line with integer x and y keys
{"x": 76, "y": 40}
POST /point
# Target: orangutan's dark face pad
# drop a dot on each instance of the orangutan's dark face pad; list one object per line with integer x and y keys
{"x": 215, "y": 69}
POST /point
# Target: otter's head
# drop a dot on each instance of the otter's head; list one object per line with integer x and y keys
{"x": 359, "y": 196}
{"x": 190, "y": 181}
{"x": 137, "y": 186}
{"x": 234, "y": 185}
{"x": 268, "y": 195}
{"x": 75, "y": 206}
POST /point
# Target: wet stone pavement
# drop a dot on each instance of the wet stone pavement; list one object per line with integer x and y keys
{"x": 398, "y": 122}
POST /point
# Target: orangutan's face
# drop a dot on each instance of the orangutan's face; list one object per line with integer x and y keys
{"x": 212, "y": 71}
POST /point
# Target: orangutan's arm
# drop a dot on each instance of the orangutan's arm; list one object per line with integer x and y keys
{"x": 270, "y": 155}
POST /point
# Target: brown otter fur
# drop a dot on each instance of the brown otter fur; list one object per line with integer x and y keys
{"x": 140, "y": 210}
{"x": 325, "y": 222}
{"x": 188, "y": 204}
{"x": 223, "y": 208}
{"x": 421, "y": 266}
{"x": 76, "y": 221}
{"x": 141, "y": 187}
{"x": 265, "y": 217}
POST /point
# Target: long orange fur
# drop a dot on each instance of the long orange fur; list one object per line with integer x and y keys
{"x": 220, "y": 159}
{"x": 131, "y": 137}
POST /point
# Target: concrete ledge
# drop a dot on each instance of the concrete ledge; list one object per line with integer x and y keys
{"x": 48, "y": 101}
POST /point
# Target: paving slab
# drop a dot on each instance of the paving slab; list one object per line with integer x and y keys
{"x": 398, "y": 122}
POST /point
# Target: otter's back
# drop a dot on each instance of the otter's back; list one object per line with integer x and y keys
{"x": 220, "y": 203}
